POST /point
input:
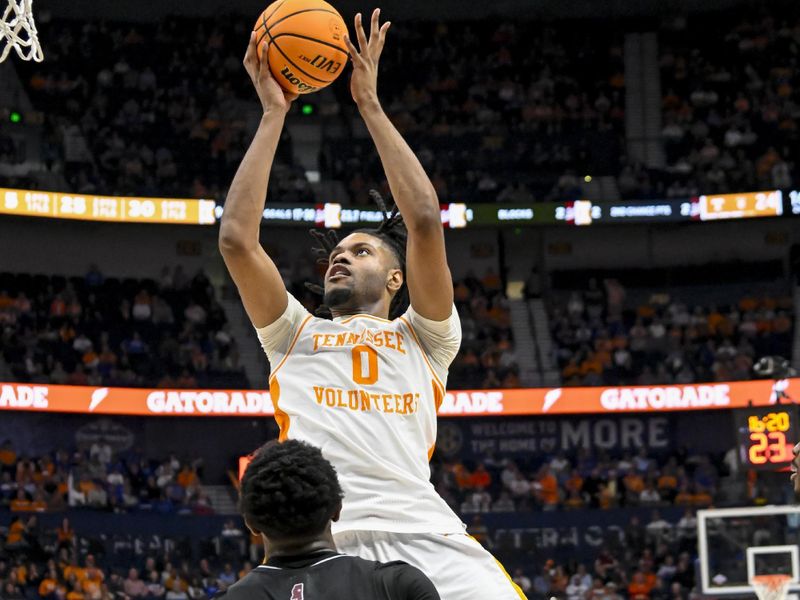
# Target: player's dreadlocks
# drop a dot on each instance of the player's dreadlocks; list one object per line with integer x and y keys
{"x": 392, "y": 231}
{"x": 289, "y": 490}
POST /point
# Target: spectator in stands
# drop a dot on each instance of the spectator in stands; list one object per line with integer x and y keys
{"x": 504, "y": 503}
{"x": 522, "y": 580}
{"x": 94, "y": 344}
{"x": 658, "y": 529}
{"x": 546, "y": 489}
{"x": 663, "y": 341}
{"x": 542, "y": 582}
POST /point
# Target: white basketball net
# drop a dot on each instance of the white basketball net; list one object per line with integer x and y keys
{"x": 18, "y": 31}
{"x": 771, "y": 587}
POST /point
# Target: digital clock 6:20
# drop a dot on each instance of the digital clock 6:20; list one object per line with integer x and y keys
{"x": 767, "y": 436}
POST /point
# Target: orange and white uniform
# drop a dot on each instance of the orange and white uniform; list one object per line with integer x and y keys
{"x": 366, "y": 390}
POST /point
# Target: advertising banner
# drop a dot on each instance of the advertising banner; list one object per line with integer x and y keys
{"x": 119, "y": 209}
{"x": 457, "y": 403}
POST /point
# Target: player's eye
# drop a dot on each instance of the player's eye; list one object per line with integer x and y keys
{"x": 361, "y": 251}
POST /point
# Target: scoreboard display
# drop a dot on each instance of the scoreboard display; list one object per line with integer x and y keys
{"x": 766, "y": 436}
{"x": 741, "y": 206}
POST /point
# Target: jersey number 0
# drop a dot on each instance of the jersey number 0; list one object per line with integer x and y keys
{"x": 365, "y": 372}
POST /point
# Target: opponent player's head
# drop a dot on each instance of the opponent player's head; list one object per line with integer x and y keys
{"x": 290, "y": 494}
{"x": 366, "y": 269}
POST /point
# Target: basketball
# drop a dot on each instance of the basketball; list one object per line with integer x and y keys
{"x": 305, "y": 43}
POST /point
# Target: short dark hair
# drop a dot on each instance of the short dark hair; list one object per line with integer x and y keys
{"x": 392, "y": 231}
{"x": 289, "y": 490}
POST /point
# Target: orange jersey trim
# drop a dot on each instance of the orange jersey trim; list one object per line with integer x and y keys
{"x": 438, "y": 394}
{"x": 365, "y": 316}
{"x": 281, "y": 418}
{"x": 424, "y": 355}
{"x": 291, "y": 347}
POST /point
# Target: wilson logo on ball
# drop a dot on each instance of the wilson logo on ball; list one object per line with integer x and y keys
{"x": 295, "y": 80}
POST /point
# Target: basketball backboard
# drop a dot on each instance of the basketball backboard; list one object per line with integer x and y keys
{"x": 736, "y": 544}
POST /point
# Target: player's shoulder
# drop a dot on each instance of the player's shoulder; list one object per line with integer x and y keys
{"x": 395, "y": 574}
{"x": 394, "y": 568}
{"x": 244, "y": 589}
{"x": 403, "y": 581}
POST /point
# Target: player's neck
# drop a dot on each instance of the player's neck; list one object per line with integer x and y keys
{"x": 377, "y": 309}
{"x": 292, "y": 548}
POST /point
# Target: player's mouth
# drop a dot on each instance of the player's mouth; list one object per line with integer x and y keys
{"x": 338, "y": 272}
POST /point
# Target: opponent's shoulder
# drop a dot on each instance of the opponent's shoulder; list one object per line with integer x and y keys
{"x": 245, "y": 589}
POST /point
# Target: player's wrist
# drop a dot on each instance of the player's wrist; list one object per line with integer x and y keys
{"x": 369, "y": 105}
{"x": 273, "y": 113}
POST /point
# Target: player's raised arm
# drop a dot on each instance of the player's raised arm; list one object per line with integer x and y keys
{"x": 259, "y": 282}
{"x": 430, "y": 284}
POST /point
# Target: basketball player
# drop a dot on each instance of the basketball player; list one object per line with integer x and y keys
{"x": 290, "y": 495}
{"x": 366, "y": 385}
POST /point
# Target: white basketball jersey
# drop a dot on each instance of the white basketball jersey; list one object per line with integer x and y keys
{"x": 366, "y": 392}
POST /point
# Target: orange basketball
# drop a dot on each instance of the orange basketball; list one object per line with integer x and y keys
{"x": 305, "y": 43}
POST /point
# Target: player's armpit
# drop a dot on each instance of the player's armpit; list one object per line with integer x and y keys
{"x": 259, "y": 283}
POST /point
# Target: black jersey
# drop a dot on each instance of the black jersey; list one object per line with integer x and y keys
{"x": 328, "y": 575}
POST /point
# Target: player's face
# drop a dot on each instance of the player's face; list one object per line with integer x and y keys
{"x": 795, "y": 467}
{"x": 361, "y": 270}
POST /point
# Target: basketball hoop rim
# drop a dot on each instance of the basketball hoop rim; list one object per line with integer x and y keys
{"x": 773, "y": 581}
{"x": 771, "y": 587}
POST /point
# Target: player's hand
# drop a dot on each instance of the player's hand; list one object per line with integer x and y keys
{"x": 273, "y": 97}
{"x": 364, "y": 81}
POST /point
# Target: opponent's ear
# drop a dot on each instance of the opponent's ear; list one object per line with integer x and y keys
{"x": 252, "y": 529}
{"x": 337, "y": 514}
{"x": 394, "y": 280}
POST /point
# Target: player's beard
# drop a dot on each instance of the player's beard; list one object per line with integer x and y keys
{"x": 338, "y": 296}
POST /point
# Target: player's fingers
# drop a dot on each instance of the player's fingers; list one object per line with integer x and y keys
{"x": 251, "y": 49}
{"x": 796, "y": 450}
{"x": 373, "y": 26}
{"x": 360, "y": 35}
{"x": 382, "y": 38}
{"x": 357, "y": 59}
{"x": 263, "y": 63}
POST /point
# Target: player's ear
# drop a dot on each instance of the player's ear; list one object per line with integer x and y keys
{"x": 337, "y": 514}
{"x": 394, "y": 280}
{"x": 252, "y": 529}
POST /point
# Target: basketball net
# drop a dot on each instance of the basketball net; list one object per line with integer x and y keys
{"x": 18, "y": 31}
{"x": 771, "y": 587}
